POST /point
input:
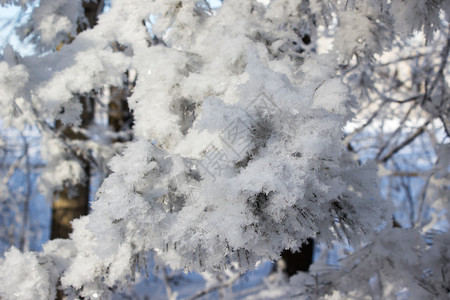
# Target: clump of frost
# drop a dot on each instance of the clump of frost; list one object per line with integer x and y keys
{"x": 372, "y": 35}
{"x": 13, "y": 79}
{"x": 291, "y": 181}
{"x": 56, "y": 21}
{"x": 415, "y": 15}
{"x": 23, "y": 276}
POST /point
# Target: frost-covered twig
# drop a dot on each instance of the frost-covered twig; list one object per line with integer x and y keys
{"x": 27, "y": 195}
{"x": 219, "y": 286}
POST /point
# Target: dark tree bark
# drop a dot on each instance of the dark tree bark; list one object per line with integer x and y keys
{"x": 119, "y": 115}
{"x": 71, "y": 203}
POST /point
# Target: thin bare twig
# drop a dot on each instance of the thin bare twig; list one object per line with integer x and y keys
{"x": 368, "y": 122}
{"x": 446, "y": 125}
{"x": 406, "y": 142}
{"x": 386, "y": 144}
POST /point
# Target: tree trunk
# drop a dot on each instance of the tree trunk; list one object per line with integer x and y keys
{"x": 73, "y": 202}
